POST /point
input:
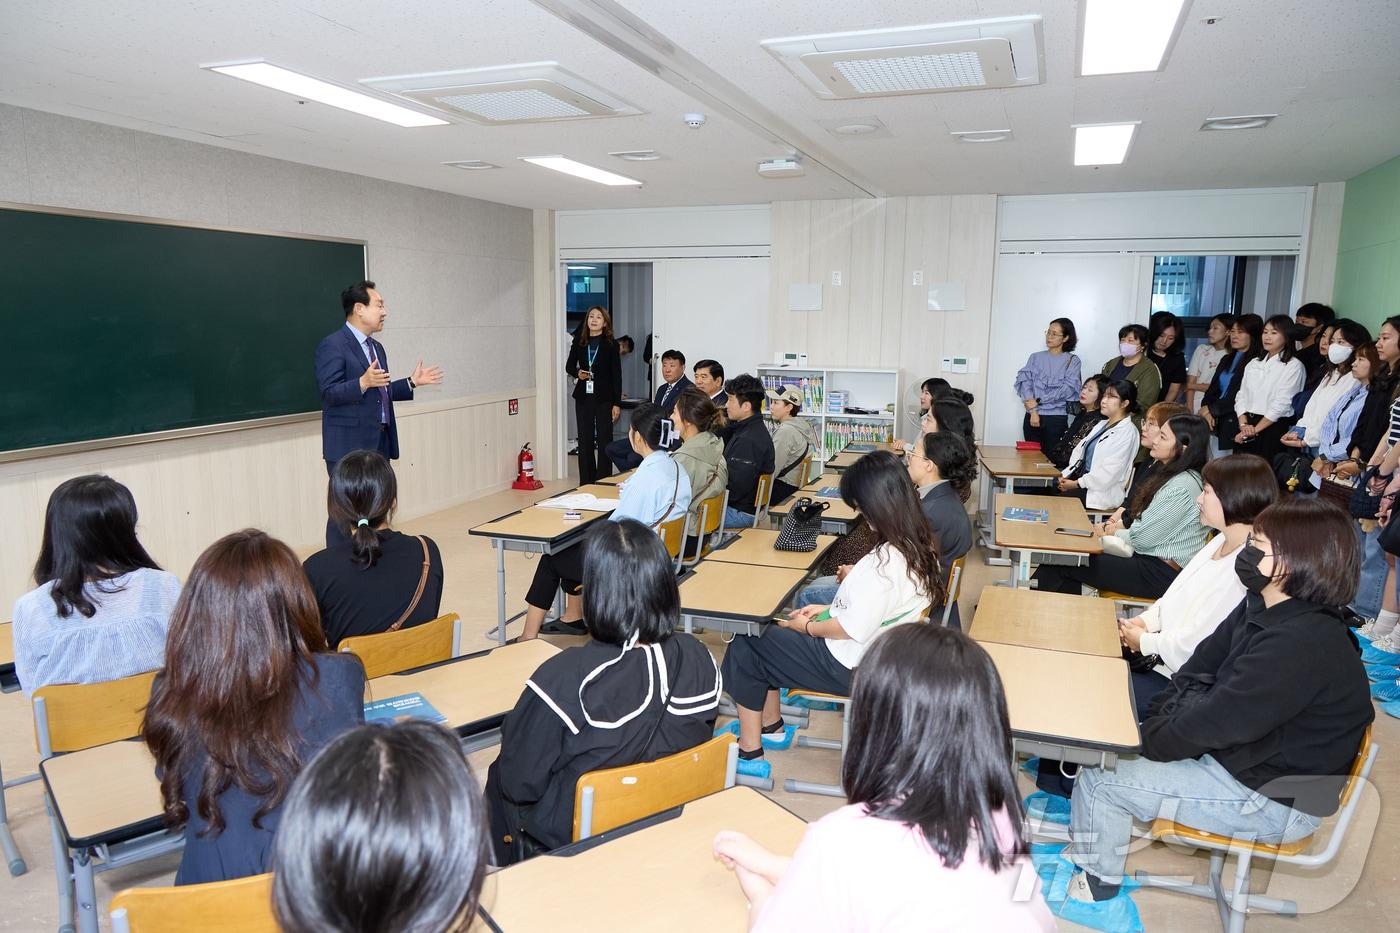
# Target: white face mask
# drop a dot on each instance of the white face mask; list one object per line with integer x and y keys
{"x": 1127, "y": 350}
{"x": 1337, "y": 353}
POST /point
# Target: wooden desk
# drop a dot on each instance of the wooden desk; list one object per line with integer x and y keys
{"x": 1024, "y": 539}
{"x": 836, "y": 520}
{"x": 1067, "y": 706}
{"x": 474, "y": 692}
{"x": 616, "y": 478}
{"x": 532, "y": 530}
{"x": 1057, "y": 621}
{"x": 1004, "y": 467}
{"x": 601, "y": 490}
{"x": 825, "y": 481}
{"x": 672, "y": 881}
{"x": 7, "y": 644}
{"x": 847, "y": 458}
{"x": 735, "y": 598}
{"x": 754, "y": 546}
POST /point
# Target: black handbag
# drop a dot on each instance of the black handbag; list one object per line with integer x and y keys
{"x": 1140, "y": 663}
{"x": 801, "y": 525}
{"x": 1365, "y": 504}
{"x": 1390, "y": 534}
{"x": 1291, "y": 469}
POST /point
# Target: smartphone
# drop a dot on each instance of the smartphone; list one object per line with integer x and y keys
{"x": 1076, "y": 532}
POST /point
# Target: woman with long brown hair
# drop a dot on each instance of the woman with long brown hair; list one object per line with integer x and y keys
{"x": 595, "y": 362}
{"x": 248, "y": 694}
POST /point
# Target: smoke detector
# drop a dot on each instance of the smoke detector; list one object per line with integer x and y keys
{"x": 990, "y": 53}
{"x": 538, "y": 92}
{"x": 780, "y": 168}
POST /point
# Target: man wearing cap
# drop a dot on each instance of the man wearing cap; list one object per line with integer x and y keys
{"x": 793, "y": 439}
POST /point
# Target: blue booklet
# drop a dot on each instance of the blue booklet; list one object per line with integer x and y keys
{"x": 830, "y": 492}
{"x": 402, "y": 708}
{"x": 858, "y": 448}
{"x": 1015, "y": 514}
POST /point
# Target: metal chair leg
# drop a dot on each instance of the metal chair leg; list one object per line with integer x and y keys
{"x": 62, "y": 872}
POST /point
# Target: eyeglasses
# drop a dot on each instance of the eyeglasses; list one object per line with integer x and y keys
{"x": 1249, "y": 542}
{"x": 1054, "y": 333}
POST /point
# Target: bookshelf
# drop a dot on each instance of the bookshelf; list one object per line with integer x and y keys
{"x": 830, "y": 393}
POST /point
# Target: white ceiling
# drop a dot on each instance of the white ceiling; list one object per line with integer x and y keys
{"x": 1328, "y": 67}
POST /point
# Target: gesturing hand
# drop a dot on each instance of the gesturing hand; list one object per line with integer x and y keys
{"x": 426, "y": 375}
{"x": 374, "y": 378}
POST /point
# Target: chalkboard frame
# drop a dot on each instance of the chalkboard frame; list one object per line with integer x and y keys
{"x": 104, "y": 443}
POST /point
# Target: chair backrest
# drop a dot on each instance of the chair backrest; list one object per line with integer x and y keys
{"x": 805, "y": 471}
{"x": 1357, "y": 765}
{"x": 72, "y": 717}
{"x": 763, "y": 496}
{"x": 243, "y": 905}
{"x": 710, "y": 524}
{"x": 672, "y": 535}
{"x": 391, "y": 652}
{"x": 954, "y": 588}
{"x": 604, "y": 800}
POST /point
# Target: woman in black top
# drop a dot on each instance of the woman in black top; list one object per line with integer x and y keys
{"x": 1218, "y": 406}
{"x": 1165, "y": 340}
{"x": 1085, "y": 417}
{"x": 371, "y": 583}
{"x": 1264, "y": 750}
{"x": 595, "y": 363}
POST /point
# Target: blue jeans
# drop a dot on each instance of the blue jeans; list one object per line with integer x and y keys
{"x": 1199, "y": 793}
{"x": 1374, "y": 568}
{"x": 820, "y": 592}
{"x": 733, "y": 518}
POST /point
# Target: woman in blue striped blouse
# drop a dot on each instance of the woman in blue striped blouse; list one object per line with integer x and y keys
{"x": 1048, "y": 382}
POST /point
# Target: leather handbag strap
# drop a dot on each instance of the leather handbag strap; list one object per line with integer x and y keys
{"x": 418, "y": 593}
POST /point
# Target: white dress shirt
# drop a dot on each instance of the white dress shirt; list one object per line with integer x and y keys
{"x": 1269, "y": 386}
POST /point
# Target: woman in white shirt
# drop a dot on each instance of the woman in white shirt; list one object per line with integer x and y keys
{"x": 817, "y": 647}
{"x": 1265, "y": 402}
{"x": 1235, "y": 490}
{"x": 1207, "y": 359}
{"x": 1102, "y": 464}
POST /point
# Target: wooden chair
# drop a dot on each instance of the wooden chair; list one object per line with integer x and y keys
{"x": 1124, "y": 604}
{"x": 606, "y": 799}
{"x": 710, "y": 526}
{"x": 392, "y": 652}
{"x": 954, "y": 588}
{"x": 243, "y": 905}
{"x": 804, "y": 475}
{"x": 843, "y": 703}
{"x": 70, "y": 718}
{"x": 762, "y": 498}
{"x": 1235, "y": 904}
{"x": 673, "y": 534}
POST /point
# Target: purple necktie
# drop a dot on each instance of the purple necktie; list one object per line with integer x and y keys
{"x": 383, "y": 390}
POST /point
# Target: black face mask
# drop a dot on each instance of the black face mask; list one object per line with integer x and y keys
{"x": 1247, "y": 569}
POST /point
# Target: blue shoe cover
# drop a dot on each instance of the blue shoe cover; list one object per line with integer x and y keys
{"x": 1386, "y": 692}
{"x": 774, "y": 740}
{"x": 1032, "y": 767}
{"x": 1048, "y": 808}
{"x": 1392, "y": 708}
{"x": 756, "y": 768}
{"x": 1118, "y": 914}
{"x": 1373, "y": 655}
{"x": 803, "y": 702}
{"x": 1379, "y": 673}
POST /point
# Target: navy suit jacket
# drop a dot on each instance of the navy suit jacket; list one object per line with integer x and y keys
{"x": 681, "y": 385}
{"x": 349, "y": 417}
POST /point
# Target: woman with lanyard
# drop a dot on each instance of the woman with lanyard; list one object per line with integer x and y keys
{"x": 1048, "y": 382}
{"x": 1102, "y": 463}
{"x": 657, "y": 492}
{"x": 1218, "y": 406}
{"x": 594, "y": 361}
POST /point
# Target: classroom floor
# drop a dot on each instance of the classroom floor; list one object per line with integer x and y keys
{"x": 1357, "y": 892}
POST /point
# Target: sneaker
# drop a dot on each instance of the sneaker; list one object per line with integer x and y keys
{"x": 760, "y": 768}
{"x": 775, "y": 740}
{"x": 1048, "y": 808}
{"x": 1386, "y": 692}
{"x": 1365, "y": 633}
{"x": 561, "y": 627}
{"x": 1383, "y": 650}
{"x": 1392, "y": 708}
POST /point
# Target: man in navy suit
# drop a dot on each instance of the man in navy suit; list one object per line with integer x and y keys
{"x": 620, "y": 451}
{"x": 357, "y": 395}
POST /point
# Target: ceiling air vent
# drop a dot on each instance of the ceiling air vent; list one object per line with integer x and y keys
{"x": 539, "y": 92}
{"x": 966, "y": 56}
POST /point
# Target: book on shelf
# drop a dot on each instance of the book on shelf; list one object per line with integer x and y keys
{"x": 402, "y": 708}
{"x": 1014, "y": 513}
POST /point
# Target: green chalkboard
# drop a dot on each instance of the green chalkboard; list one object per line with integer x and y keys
{"x": 115, "y": 327}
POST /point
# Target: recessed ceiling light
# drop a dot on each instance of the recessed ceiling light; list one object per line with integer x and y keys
{"x": 581, "y": 268}
{"x": 637, "y": 155}
{"x": 580, "y": 170}
{"x": 1123, "y": 37}
{"x": 981, "y": 136}
{"x": 472, "y": 165}
{"x": 1102, "y": 143}
{"x": 308, "y": 88}
{"x": 1251, "y": 121}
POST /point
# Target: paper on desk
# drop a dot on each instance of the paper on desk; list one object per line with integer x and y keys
{"x": 580, "y": 500}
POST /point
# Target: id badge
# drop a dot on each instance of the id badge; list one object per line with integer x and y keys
{"x": 588, "y": 387}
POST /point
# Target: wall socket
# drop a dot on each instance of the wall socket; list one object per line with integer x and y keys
{"x": 918, "y": 277}
{"x": 836, "y": 278}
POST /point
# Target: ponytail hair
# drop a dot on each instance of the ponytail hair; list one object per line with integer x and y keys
{"x": 363, "y": 493}
{"x": 650, "y": 423}
{"x": 699, "y": 409}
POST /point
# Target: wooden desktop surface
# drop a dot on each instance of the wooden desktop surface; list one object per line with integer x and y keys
{"x": 1008, "y": 461}
{"x": 535, "y": 524}
{"x": 738, "y": 590}
{"x": 470, "y": 689}
{"x": 7, "y": 643}
{"x": 662, "y": 877}
{"x": 601, "y": 490}
{"x": 1058, "y": 621}
{"x": 845, "y": 460}
{"x": 1082, "y": 699}
{"x": 1065, "y": 512}
{"x": 616, "y": 478}
{"x": 755, "y": 546}
{"x": 825, "y": 481}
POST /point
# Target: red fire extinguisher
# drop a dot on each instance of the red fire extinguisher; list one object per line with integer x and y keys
{"x": 525, "y": 471}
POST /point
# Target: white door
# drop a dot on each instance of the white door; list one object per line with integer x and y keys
{"x": 713, "y": 309}
{"x": 1099, "y": 292}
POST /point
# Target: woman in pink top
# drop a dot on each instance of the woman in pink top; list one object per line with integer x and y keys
{"x": 929, "y": 776}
